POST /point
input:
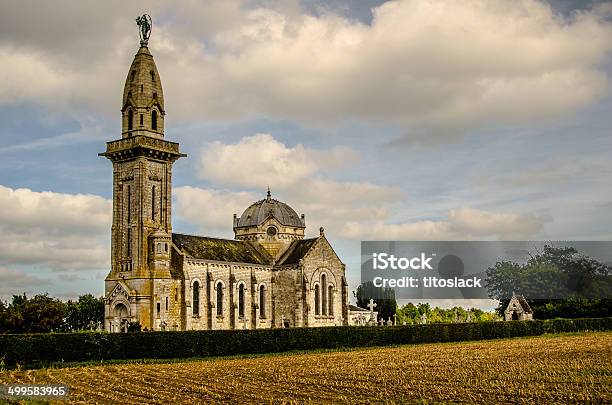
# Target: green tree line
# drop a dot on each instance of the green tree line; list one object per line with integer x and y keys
{"x": 579, "y": 285}
{"x": 411, "y": 314}
{"x": 43, "y": 314}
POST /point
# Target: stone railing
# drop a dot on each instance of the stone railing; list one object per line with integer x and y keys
{"x": 144, "y": 141}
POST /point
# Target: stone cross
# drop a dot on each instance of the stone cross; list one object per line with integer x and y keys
{"x": 423, "y": 319}
{"x": 394, "y": 319}
{"x": 371, "y": 305}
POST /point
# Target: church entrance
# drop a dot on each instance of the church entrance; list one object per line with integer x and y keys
{"x": 121, "y": 321}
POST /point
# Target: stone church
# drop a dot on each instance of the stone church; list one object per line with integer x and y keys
{"x": 268, "y": 276}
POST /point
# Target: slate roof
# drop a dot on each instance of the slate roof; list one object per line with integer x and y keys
{"x": 259, "y": 211}
{"x": 355, "y": 308}
{"x": 524, "y": 304}
{"x": 225, "y": 250}
{"x": 296, "y": 251}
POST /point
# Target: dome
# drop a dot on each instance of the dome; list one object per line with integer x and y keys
{"x": 259, "y": 211}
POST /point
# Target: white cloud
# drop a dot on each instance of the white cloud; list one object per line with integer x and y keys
{"x": 262, "y": 161}
{"x": 293, "y": 173}
{"x": 211, "y": 210}
{"x": 16, "y": 282}
{"x": 58, "y": 231}
{"x": 460, "y": 224}
{"x": 354, "y": 210}
{"x": 28, "y": 76}
{"x": 436, "y": 68}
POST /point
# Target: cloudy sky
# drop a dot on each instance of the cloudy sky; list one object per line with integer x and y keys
{"x": 404, "y": 120}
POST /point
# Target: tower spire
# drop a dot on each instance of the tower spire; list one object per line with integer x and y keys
{"x": 142, "y": 108}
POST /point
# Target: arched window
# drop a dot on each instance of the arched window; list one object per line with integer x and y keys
{"x": 152, "y": 76}
{"x": 154, "y": 120}
{"x": 132, "y": 75}
{"x": 323, "y": 295}
{"x": 330, "y": 299}
{"x": 196, "y": 299}
{"x": 262, "y": 301}
{"x": 141, "y": 119}
{"x": 130, "y": 120}
{"x": 317, "y": 299}
{"x": 219, "y": 299}
{"x": 241, "y": 301}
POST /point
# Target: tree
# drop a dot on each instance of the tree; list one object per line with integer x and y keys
{"x": 42, "y": 314}
{"x": 35, "y": 315}
{"x": 386, "y": 305}
{"x": 4, "y": 317}
{"x": 411, "y": 314}
{"x": 84, "y": 313}
{"x": 576, "y": 285}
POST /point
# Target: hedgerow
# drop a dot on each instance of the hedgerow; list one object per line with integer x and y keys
{"x": 40, "y": 349}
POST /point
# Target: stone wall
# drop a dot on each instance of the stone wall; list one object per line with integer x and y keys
{"x": 227, "y": 278}
{"x": 323, "y": 261}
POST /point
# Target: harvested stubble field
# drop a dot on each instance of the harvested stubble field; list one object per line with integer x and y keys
{"x": 547, "y": 369}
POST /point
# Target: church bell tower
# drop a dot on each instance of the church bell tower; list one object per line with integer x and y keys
{"x": 142, "y": 193}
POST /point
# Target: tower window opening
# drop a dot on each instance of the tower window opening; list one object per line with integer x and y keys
{"x": 142, "y": 88}
{"x": 133, "y": 75}
{"x": 154, "y": 120}
{"x": 155, "y": 96}
{"x": 130, "y": 120}
{"x": 153, "y": 203}
{"x": 167, "y": 303}
{"x": 141, "y": 119}
{"x": 129, "y": 242}
{"x": 129, "y": 220}
{"x": 152, "y": 76}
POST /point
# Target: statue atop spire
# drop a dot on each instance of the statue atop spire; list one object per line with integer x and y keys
{"x": 144, "y": 28}
{"x": 269, "y": 194}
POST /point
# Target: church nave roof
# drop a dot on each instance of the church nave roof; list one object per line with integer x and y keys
{"x": 224, "y": 250}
